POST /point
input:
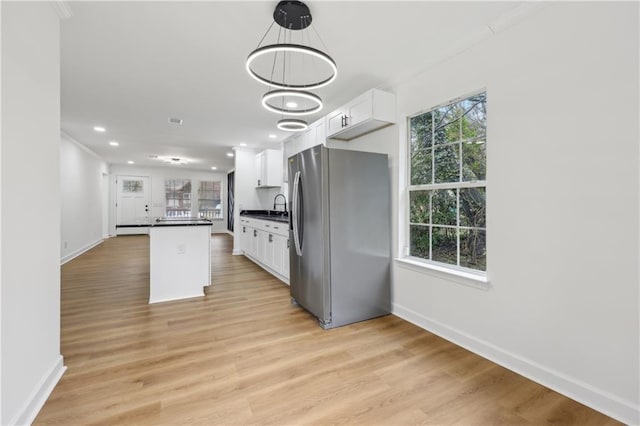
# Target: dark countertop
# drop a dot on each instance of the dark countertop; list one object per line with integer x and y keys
{"x": 181, "y": 221}
{"x": 170, "y": 221}
{"x": 272, "y": 215}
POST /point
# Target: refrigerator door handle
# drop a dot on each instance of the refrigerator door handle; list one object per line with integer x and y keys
{"x": 296, "y": 213}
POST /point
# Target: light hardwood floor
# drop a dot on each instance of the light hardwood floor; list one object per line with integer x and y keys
{"x": 244, "y": 355}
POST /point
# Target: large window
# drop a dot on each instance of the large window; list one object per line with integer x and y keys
{"x": 210, "y": 200}
{"x": 447, "y": 187}
{"x": 178, "y": 197}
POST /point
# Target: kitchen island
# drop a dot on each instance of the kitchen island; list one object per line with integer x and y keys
{"x": 179, "y": 258}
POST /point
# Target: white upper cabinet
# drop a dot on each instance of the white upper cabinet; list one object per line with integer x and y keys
{"x": 368, "y": 112}
{"x": 314, "y": 135}
{"x": 269, "y": 168}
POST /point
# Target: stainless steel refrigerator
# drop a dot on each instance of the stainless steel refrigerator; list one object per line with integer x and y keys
{"x": 340, "y": 227}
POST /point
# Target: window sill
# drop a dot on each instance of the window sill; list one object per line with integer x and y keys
{"x": 459, "y": 277}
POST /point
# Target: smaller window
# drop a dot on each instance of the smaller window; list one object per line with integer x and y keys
{"x": 178, "y": 197}
{"x": 210, "y": 200}
{"x": 129, "y": 185}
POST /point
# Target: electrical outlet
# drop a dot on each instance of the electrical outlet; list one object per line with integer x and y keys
{"x": 181, "y": 249}
{"x": 65, "y": 244}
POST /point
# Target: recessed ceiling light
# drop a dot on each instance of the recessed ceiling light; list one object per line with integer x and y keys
{"x": 114, "y": 143}
{"x": 291, "y": 104}
{"x": 130, "y": 162}
{"x": 99, "y": 129}
{"x": 174, "y": 120}
{"x": 229, "y": 154}
{"x": 214, "y": 168}
{"x": 243, "y": 144}
{"x": 272, "y": 136}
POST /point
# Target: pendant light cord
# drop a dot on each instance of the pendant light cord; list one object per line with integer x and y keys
{"x": 265, "y": 34}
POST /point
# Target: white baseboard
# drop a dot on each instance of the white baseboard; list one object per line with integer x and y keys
{"x": 237, "y": 252}
{"x": 34, "y": 404}
{"x": 80, "y": 251}
{"x": 625, "y": 411}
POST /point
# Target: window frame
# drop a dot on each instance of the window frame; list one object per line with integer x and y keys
{"x": 453, "y": 272}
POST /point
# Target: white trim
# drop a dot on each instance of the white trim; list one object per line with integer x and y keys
{"x": 237, "y": 252}
{"x": 86, "y": 149}
{"x": 78, "y": 252}
{"x": 460, "y": 277}
{"x": 173, "y": 299}
{"x": 598, "y": 399}
{"x": 39, "y": 396}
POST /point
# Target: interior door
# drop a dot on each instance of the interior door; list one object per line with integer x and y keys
{"x": 132, "y": 207}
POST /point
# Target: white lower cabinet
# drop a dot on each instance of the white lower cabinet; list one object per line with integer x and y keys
{"x": 280, "y": 252}
{"x": 267, "y": 244}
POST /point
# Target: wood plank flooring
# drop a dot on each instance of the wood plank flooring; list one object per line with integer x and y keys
{"x": 244, "y": 355}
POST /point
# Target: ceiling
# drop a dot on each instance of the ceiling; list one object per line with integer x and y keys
{"x": 129, "y": 66}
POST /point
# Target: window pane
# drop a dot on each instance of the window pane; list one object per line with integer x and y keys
{"x": 445, "y": 206}
{"x": 447, "y": 162}
{"x": 419, "y": 206}
{"x": 472, "y": 207}
{"x": 419, "y": 237}
{"x": 421, "y": 171}
{"x": 473, "y": 249}
{"x": 474, "y": 160}
{"x": 209, "y": 200}
{"x": 178, "y": 197}
{"x": 474, "y": 119}
{"x": 420, "y": 127}
{"x": 444, "y": 245}
{"x": 447, "y": 124}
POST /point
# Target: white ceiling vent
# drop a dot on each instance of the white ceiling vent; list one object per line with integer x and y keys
{"x": 174, "y": 120}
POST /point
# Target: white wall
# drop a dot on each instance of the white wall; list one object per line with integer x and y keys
{"x": 31, "y": 363}
{"x": 81, "y": 203}
{"x": 562, "y": 203}
{"x": 157, "y": 176}
{"x": 246, "y": 196}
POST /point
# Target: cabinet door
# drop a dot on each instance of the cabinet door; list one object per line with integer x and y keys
{"x": 262, "y": 245}
{"x": 243, "y": 238}
{"x": 279, "y": 247}
{"x": 335, "y": 121}
{"x": 321, "y": 132}
{"x": 269, "y": 258}
{"x": 260, "y": 169}
{"x": 360, "y": 109}
{"x": 288, "y": 149}
{"x": 253, "y": 244}
{"x": 285, "y": 257}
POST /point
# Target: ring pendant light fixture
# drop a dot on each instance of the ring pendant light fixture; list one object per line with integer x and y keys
{"x": 289, "y": 68}
{"x": 290, "y": 106}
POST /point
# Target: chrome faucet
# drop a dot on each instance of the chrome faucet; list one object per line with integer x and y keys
{"x": 281, "y": 204}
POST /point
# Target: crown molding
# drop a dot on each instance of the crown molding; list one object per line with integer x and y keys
{"x": 62, "y": 8}
{"x": 68, "y": 137}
